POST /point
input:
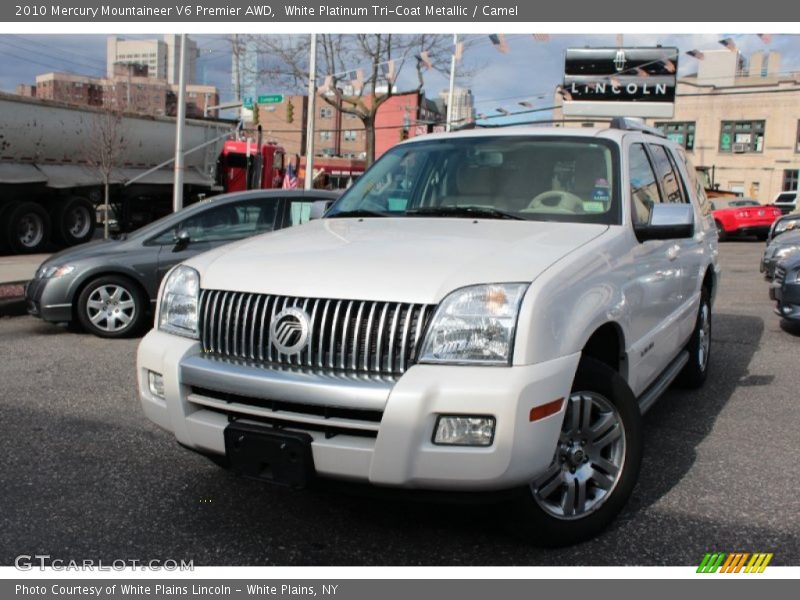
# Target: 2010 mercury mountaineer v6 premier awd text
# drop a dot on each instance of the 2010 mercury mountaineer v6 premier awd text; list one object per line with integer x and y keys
{"x": 483, "y": 310}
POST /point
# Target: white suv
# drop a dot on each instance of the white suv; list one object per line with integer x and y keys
{"x": 485, "y": 310}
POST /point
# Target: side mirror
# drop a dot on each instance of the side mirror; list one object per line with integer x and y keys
{"x": 318, "y": 209}
{"x": 667, "y": 222}
{"x": 182, "y": 240}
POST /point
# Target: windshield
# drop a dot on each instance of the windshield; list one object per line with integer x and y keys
{"x": 512, "y": 177}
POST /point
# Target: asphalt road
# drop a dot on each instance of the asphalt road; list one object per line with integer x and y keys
{"x": 85, "y": 475}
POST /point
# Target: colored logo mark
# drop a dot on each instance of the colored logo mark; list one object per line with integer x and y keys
{"x": 734, "y": 562}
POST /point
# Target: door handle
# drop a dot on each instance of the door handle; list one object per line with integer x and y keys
{"x": 673, "y": 252}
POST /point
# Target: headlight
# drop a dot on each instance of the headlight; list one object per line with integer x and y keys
{"x": 793, "y": 276}
{"x": 475, "y": 325}
{"x": 786, "y": 225}
{"x": 785, "y": 251}
{"x": 53, "y": 271}
{"x": 179, "y": 300}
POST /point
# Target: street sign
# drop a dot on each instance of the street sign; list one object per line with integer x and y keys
{"x": 270, "y": 99}
{"x": 247, "y": 101}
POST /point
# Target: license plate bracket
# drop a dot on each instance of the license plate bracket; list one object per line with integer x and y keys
{"x": 258, "y": 452}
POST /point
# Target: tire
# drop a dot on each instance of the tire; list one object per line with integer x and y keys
{"x": 694, "y": 374}
{"x": 112, "y": 307}
{"x": 548, "y": 511}
{"x": 722, "y": 235}
{"x": 5, "y": 210}
{"x": 74, "y": 222}
{"x": 27, "y": 228}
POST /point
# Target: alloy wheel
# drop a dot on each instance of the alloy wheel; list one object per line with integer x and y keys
{"x": 111, "y": 308}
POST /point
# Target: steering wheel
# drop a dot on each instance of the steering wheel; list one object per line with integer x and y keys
{"x": 557, "y": 201}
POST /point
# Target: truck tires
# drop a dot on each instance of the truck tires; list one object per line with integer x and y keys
{"x": 595, "y": 466}
{"x": 26, "y": 227}
{"x": 73, "y": 221}
{"x": 112, "y": 307}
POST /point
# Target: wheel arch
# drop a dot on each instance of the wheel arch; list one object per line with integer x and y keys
{"x": 606, "y": 344}
{"x": 89, "y": 277}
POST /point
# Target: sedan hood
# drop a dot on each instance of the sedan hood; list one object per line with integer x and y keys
{"x": 88, "y": 250}
{"x": 390, "y": 259}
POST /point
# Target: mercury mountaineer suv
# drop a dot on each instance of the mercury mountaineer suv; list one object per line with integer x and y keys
{"x": 484, "y": 310}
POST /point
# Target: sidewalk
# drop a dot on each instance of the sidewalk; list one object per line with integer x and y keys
{"x": 15, "y": 271}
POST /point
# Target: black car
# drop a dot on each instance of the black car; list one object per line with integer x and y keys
{"x": 110, "y": 286}
{"x": 785, "y": 288}
{"x": 780, "y": 248}
{"x": 785, "y": 224}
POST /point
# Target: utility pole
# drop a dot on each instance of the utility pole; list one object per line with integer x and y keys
{"x": 312, "y": 97}
{"x": 452, "y": 83}
{"x": 177, "y": 198}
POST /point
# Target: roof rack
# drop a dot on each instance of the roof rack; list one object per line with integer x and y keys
{"x": 630, "y": 124}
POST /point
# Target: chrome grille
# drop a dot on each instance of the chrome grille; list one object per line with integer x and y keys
{"x": 780, "y": 275}
{"x": 350, "y": 335}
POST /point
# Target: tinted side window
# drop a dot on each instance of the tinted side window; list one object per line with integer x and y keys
{"x": 226, "y": 222}
{"x": 669, "y": 179}
{"x": 644, "y": 189}
{"x": 696, "y": 185}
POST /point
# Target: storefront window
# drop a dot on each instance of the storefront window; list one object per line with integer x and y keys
{"x": 680, "y": 132}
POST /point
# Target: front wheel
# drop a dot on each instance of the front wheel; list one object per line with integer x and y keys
{"x": 595, "y": 466}
{"x": 112, "y": 307}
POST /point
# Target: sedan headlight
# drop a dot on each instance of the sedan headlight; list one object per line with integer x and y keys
{"x": 787, "y": 225}
{"x": 179, "y": 300}
{"x": 475, "y": 325}
{"x": 785, "y": 251}
{"x": 53, "y": 271}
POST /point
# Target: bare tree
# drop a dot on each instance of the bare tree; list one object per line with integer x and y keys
{"x": 342, "y": 57}
{"x": 105, "y": 145}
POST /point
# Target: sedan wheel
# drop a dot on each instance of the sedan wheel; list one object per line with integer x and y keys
{"x": 111, "y": 307}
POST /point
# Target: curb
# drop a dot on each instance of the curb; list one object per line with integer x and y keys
{"x": 12, "y": 299}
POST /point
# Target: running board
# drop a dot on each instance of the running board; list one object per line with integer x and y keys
{"x": 653, "y": 393}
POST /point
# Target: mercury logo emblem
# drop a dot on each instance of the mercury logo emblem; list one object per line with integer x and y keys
{"x": 288, "y": 331}
{"x": 619, "y": 61}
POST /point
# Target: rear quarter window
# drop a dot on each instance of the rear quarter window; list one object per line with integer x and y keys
{"x": 694, "y": 185}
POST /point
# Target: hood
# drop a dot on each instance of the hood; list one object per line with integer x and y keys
{"x": 87, "y": 250}
{"x": 390, "y": 259}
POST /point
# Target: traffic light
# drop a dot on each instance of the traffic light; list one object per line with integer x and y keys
{"x": 290, "y": 112}
{"x": 255, "y": 114}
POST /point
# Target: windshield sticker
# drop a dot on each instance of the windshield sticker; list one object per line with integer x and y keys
{"x": 601, "y": 192}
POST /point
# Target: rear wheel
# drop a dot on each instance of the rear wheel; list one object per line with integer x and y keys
{"x": 695, "y": 372}
{"x": 74, "y": 221}
{"x": 721, "y": 233}
{"x": 112, "y": 307}
{"x": 27, "y": 228}
{"x": 595, "y": 466}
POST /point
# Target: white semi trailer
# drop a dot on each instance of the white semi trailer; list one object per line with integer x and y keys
{"x": 51, "y": 181}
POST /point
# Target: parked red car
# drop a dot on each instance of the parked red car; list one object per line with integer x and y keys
{"x": 743, "y": 216}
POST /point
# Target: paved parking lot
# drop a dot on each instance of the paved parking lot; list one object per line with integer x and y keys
{"x": 84, "y": 475}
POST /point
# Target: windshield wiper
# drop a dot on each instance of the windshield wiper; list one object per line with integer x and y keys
{"x": 361, "y": 212}
{"x": 463, "y": 211}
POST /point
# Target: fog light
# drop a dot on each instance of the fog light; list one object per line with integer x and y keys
{"x": 156, "y": 383}
{"x": 463, "y": 430}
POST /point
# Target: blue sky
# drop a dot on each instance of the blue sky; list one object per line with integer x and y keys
{"x": 528, "y": 72}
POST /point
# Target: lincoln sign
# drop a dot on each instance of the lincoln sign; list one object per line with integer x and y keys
{"x": 619, "y": 82}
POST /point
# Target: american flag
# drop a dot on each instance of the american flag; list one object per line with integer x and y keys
{"x": 499, "y": 41}
{"x": 669, "y": 65}
{"x": 729, "y": 44}
{"x": 290, "y": 179}
{"x": 641, "y": 72}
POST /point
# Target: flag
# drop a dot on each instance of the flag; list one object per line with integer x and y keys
{"x": 425, "y": 59}
{"x": 290, "y": 179}
{"x": 459, "y": 53}
{"x": 499, "y": 41}
{"x": 541, "y": 37}
{"x": 356, "y": 79}
{"x": 564, "y": 93}
{"x": 669, "y": 66}
{"x": 526, "y": 104}
{"x": 765, "y": 37}
{"x": 641, "y": 72}
{"x": 327, "y": 86}
{"x": 729, "y": 44}
{"x": 696, "y": 54}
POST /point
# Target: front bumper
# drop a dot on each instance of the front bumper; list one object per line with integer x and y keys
{"x": 375, "y": 431}
{"x": 46, "y": 299}
{"x": 787, "y": 298}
